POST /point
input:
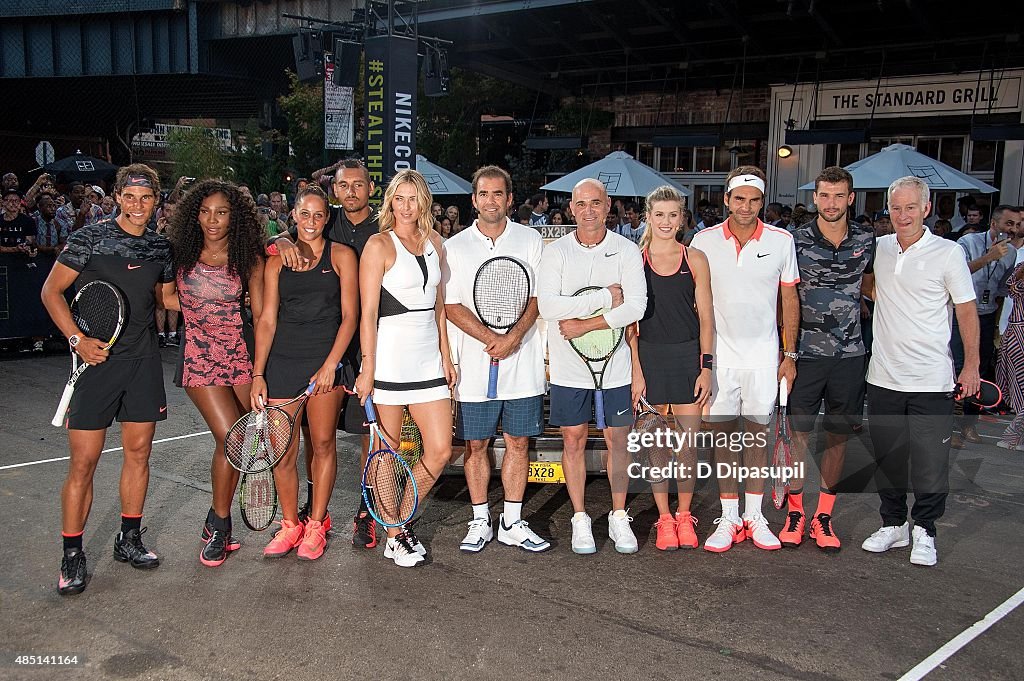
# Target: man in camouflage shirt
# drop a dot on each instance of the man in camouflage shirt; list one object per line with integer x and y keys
{"x": 835, "y": 258}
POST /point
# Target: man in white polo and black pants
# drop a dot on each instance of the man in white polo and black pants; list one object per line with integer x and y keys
{"x": 910, "y": 376}
{"x": 752, "y": 266}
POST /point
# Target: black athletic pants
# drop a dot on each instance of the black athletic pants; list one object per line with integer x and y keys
{"x": 910, "y": 434}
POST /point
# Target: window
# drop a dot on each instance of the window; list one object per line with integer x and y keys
{"x": 667, "y": 159}
{"x": 705, "y": 159}
{"x": 983, "y": 157}
{"x": 645, "y": 154}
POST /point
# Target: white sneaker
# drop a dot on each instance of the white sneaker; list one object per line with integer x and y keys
{"x": 923, "y": 552}
{"x": 582, "y": 535}
{"x": 888, "y": 537}
{"x": 757, "y": 529}
{"x": 520, "y": 534}
{"x": 401, "y": 551}
{"x": 479, "y": 534}
{"x": 729, "y": 531}
{"x": 621, "y": 533}
{"x": 414, "y": 541}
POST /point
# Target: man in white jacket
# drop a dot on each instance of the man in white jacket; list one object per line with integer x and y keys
{"x": 592, "y": 255}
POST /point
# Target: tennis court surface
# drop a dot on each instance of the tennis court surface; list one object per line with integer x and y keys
{"x": 501, "y": 613}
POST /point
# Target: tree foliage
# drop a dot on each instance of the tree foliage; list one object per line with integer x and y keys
{"x": 303, "y": 108}
{"x": 197, "y": 153}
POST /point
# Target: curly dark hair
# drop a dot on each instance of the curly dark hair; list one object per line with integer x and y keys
{"x": 245, "y": 234}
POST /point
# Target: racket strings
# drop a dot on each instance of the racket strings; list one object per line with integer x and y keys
{"x": 391, "y": 488}
{"x": 96, "y": 312}
{"x": 411, "y": 446}
{"x": 501, "y": 293}
{"x": 653, "y": 455}
{"x": 258, "y": 440}
{"x": 259, "y": 498}
{"x": 595, "y": 346}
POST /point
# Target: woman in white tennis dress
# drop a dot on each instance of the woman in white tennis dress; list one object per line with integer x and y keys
{"x": 403, "y": 336}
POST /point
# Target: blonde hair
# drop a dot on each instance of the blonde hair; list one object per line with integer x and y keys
{"x": 425, "y": 221}
{"x": 662, "y": 193}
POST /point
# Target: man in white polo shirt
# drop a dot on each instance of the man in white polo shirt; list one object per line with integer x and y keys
{"x": 751, "y": 263}
{"x": 910, "y": 376}
{"x": 592, "y": 255}
{"x": 520, "y": 402}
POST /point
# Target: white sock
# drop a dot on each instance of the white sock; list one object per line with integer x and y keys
{"x": 752, "y": 504}
{"x": 579, "y": 515}
{"x": 621, "y": 513}
{"x": 513, "y": 512}
{"x": 480, "y": 512}
{"x": 731, "y": 508}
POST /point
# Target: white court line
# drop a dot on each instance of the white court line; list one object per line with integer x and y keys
{"x": 105, "y": 451}
{"x": 963, "y": 638}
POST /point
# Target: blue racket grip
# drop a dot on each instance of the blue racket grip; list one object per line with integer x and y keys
{"x": 371, "y": 413}
{"x": 599, "y": 409}
{"x": 312, "y": 386}
{"x": 492, "y": 381}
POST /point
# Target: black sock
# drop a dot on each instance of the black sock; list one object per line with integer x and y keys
{"x": 210, "y": 515}
{"x": 72, "y": 541}
{"x": 797, "y": 491}
{"x": 362, "y": 506}
{"x": 309, "y": 492}
{"x": 222, "y": 524}
{"x": 129, "y": 522}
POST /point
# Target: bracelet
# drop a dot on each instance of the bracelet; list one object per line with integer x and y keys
{"x": 707, "y": 361}
{"x": 257, "y": 375}
{"x": 791, "y": 355}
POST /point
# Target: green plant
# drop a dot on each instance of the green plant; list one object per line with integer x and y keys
{"x": 197, "y": 153}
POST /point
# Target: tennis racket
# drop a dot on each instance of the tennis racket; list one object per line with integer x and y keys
{"x": 782, "y": 457}
{"x": 257, "y": 499}
{"x": 501, "y": 292}
{"x": 259, "y": 439}
{"x": 389, "y": 487}
{"x": 597, "y": 347}
{"x": 411, "y": 446}
{"x": 98, "y": 309}
{"x": 651, "y": 458}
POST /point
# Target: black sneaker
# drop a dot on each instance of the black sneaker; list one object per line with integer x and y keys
{"x": 233, "y": 544}
{"x": 128, "y": 548}
{"x": 161, "y": 340}
{"x": 172, "y": 340}
{"x": 73, "y": 574}
{"x": 216, "y": 550}
{"x": 364, "y": 531}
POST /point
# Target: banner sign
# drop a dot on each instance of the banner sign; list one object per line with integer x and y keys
{"x": 899, "y": 97}
{"x": 338, "y": 112}
{"x": 390, "y": 141}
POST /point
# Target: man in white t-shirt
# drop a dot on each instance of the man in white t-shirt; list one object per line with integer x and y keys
{"x": 751, "y": 265}
{"x": 592, "y": 255}
{"x": 520, "y": 402}
{"x": 921, "y": 281}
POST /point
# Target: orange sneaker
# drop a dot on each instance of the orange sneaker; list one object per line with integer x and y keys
{"x": 314, "y": 541}
{"x": 286, "y": 539}
{"x": 685, "y": 530}
{"x": 792, "y": 534}
{"x": 821, "y": 532}
{"x": 667, "y": 539}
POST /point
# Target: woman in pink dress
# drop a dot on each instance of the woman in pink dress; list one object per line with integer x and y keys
{"x": 218, "y": 246}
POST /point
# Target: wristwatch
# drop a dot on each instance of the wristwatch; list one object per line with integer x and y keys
{"x": 73, "y": 340}
{"x": 791, "y": 355}
{"x": 707, "y": 361}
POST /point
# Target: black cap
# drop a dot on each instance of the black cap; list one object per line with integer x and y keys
{"x": 12, "y": 190}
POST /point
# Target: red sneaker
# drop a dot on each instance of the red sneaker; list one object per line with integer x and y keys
{"x": 792, "y": 534}
{"x": 286, "y": 539}
{"x": 821, "y": 532}
{"x": 667, "y": 538}
{"x": 314, "y": 541}
{"x": 686, "y": 534}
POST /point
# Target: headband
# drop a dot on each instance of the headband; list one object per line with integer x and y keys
{"x": 745, "y": 180}
{"x": 140, "y": 181}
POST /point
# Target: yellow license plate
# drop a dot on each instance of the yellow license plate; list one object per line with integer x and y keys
{"x": 546, "y": 471}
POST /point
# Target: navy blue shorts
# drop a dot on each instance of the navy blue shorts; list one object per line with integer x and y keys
{"x": 575, "y": 406}
{"x": 519, "y": 418}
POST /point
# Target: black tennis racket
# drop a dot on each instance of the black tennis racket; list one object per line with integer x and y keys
{"x": 651, "y": 458}
{"x": 389, "y": 487}
{"x": 597, "y": 347}
{"x": 259, "y": 439}
{"x": 782, "y": 457}
{"x": 501, "y": 292}
{"x": 98, "y": 309}
{"x": 257, "y": 499}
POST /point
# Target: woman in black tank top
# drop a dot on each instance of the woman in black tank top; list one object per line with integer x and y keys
{"x": 671, "y": 348}
{"x": 308, "y": 321}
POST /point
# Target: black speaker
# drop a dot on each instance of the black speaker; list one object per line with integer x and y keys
{"x": 436, "y": 75}
{"x": 346, "y": 62}
{"x": 308, "y": 54}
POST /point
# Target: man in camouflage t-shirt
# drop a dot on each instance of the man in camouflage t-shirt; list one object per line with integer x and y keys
{"x": 835, "y": 258}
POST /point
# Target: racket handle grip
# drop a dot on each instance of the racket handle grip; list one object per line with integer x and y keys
{"x": 371, "y": 413}
{"x": 783, "y": 392}
{"x": 599, "y": 409}
{"x": 312, "y": 386}
{"x": 492, "y": 380}
{"x": 62, "y": 407}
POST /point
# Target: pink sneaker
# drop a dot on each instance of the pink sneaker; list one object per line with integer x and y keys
{"x": 314, "y": 541}
{"x": 286, "y": 539}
